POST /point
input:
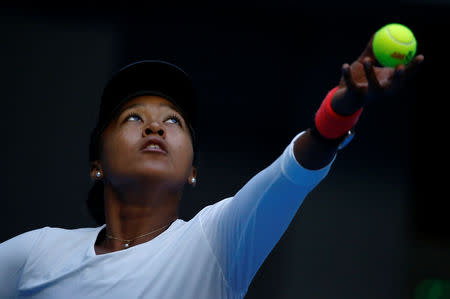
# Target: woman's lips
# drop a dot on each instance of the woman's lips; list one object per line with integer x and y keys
{"x": 154, "y": 144}
{"x": 149, "y": 148}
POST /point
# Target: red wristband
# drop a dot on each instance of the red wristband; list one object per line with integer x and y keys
{"x": 330, "y": 124}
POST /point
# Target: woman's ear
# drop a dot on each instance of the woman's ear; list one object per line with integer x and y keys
{"x": 96, "y": 170}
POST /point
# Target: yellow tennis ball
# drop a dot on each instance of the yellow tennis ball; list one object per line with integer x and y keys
{"x": 394, "y": 44}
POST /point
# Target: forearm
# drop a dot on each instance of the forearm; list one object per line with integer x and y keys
{"x": 242, "y": 230}
{"x": 313, "y": 152}
{"x": 336, "y": 116}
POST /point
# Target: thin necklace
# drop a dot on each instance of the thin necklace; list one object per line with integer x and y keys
{"x": 127, "y": 242}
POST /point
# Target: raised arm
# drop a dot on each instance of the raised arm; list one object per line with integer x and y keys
{"x": 242, "y": 230}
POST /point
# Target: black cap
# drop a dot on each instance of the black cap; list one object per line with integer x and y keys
{"x": 147, "y": 77}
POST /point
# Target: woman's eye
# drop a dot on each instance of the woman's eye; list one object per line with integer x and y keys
{"x": 174, "y": 119}
{"x": 133, "y": 117}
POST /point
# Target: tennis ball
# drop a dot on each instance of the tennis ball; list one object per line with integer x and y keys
{"x": 394, "y": 44}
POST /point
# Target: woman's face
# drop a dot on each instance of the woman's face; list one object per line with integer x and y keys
{"x": 127, "y": 156}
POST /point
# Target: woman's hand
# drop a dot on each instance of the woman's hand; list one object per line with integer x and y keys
{"x": 363, "y": 82}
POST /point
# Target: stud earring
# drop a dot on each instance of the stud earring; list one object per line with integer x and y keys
{"x": 193, "y": 180}
{"x": 98, "y": 174}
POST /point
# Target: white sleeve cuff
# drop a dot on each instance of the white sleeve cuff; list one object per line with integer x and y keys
{"x": 296, "y": 173}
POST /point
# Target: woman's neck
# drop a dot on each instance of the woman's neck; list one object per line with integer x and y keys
{"x": 135, "y": 211}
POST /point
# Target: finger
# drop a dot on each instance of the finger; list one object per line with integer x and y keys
{"x": 397, "y": 79}
{"x": 348, "y": 79}
{"x": 414, "y": 66}
{"x": 368, "y": 51}
{"x": 372, "y": 80}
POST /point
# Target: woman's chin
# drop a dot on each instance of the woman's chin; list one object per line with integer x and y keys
{"x": 155, "y": 172}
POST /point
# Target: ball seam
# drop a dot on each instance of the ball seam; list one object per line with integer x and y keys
{"x": 403, "y": 43}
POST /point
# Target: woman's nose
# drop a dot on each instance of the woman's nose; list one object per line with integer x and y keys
{"x": 154, "y": 127}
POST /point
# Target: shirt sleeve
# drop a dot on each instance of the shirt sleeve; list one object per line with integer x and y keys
{"x": 13, "y": 256}
{"x": 242, "y": 230}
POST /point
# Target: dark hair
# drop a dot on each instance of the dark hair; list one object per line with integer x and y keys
{"x": 95, "y": 202}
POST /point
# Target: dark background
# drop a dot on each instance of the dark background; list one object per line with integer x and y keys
{"x": 375, "y": 227}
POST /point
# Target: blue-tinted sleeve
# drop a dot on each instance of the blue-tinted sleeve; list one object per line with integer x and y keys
{"x": 13, "y": 256}
{"x": 242, "y": 230}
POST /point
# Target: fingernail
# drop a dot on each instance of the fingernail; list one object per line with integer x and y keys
{"x": 345, "y": 70}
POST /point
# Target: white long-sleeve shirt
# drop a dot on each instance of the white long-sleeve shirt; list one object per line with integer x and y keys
{"x": 214, "y": 255}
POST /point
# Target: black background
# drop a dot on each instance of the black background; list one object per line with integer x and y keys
{"x": 375, "y": 227}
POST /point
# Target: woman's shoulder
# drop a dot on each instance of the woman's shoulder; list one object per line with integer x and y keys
{"x": 48, "y": 234}
{"x": 73, "y": 231}
{"x": 54, "y": 234}
{"x": 23, "y": 238}
{"x": 56, "y": 242}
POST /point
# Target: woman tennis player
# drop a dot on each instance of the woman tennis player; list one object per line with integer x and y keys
{"x": 142, "y": 156}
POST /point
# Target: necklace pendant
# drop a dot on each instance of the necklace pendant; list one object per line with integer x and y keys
{"x": 126, "y": 245}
